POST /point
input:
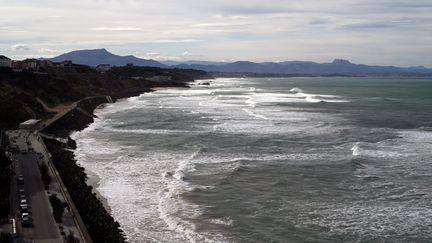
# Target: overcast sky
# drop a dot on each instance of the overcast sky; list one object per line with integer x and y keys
{"x": 386, "y": 32}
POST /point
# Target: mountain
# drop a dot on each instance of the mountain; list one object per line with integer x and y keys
{"x": 192, "y": 62}
{"x": 337, "y": 67}
{"x": 102, "y": 56}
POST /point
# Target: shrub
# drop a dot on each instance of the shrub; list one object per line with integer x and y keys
{"x": 58, "y": 208}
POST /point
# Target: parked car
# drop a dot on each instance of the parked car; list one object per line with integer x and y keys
{"x": 23, "y": 207}
{"x": 25, "y": 210}
{"x": 26, "y": 221}
{"x": 20, "y": 179}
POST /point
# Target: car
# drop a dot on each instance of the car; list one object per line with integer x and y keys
{"x": 20, "y": 179}
{"x": 23, "y": 201}
{"x": 26, "y": 221}
{"x": 22, "y": 211}
{"x": 22, "y": 197}
{"x": 23, "y": 207}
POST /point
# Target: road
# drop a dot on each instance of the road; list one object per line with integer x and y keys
{"x": 44, "y": 227}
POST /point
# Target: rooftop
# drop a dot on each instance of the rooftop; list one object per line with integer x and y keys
{"x": 30, "y": 122}
{"x": 4, "y": 57}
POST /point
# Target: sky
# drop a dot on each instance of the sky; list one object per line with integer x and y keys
{"x": 382, "y": 32}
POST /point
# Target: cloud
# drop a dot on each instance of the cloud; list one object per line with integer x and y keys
{"x": 173, "y": 41}
{"x": 20, "y": 47}
{"x": 165, "y": 57}
{"x": 116, "y": 29}
{"x": 224, "y": 29}
{"x": 186, "y": 53}
{"x": 221, "y": 24}
{"x": 48, "y": 51}
{"x": 378, "y": 24}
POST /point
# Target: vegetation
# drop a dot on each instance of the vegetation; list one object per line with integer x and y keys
{"x": 5, "y": 186}
{"x": 58, "y": 208}
{"x": 70, "y": 238}
{"x": 5, "y": 238}
{"x": 55, "y": 85}
{"x": 20, "y": 92}
{"x": 46, "y": 178}
{"x": 5, "y": 181}
{"x": 100, "y": 224}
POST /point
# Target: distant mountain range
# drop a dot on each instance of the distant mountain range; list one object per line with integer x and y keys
{"x": 337, "y": 67}
{"x": 102, "y": 56}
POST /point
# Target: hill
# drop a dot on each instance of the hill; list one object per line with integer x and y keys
{"x": 102, "y": 56}
{"x": 337, "y": 67}
{"x": 19, "y": 90}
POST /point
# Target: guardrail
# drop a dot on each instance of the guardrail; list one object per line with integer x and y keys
{"x": 82, "y": 230}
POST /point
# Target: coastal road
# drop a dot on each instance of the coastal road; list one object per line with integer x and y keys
{"x": 44, "y": 228}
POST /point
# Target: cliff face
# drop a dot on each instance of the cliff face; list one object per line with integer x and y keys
{"x": 56, "y": 85}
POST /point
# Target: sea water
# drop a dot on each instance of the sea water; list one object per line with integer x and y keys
{"x": 268, "y": 160}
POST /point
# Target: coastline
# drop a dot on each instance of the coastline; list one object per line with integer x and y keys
{"x": 88, "y": 182}
{"x": 93, "y": 180}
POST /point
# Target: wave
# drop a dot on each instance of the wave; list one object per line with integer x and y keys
{"x": 150, "y": 131}
{"x": 318, "y": 98}
{"x": 251, "y": 113}
{"x": 356, "y": 149}
{"x": 179, "y": 214}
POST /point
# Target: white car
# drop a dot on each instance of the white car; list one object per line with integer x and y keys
{"x": 24, "y": 206}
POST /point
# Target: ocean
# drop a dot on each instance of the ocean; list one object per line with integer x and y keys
{"x": 332, "y": 159}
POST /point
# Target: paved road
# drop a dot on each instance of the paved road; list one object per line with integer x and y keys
{"x": 44, "y": 227}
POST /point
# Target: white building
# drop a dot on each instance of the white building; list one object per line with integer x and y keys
{"x": 5, "y": 61}
{"x": 160, "y": 78}
{"x": 103, "y": 67}
{"x": 31, "y": 124}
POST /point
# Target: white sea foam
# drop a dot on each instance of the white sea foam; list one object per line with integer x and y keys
{"x": 146, "y": 188}
{"x": 356, "y": 149}
{"x": 222, "y": 221}
{"x": 177, "y": 212}
{"x": 316, "y": 98}
{"x": 251, "y": 113}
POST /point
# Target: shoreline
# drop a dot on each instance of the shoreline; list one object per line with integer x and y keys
{"x": 93, "y": 180}
{"x": 80, "y": 118}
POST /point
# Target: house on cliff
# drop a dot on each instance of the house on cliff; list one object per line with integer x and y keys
{"x": 103, "y": 67}
{"x": 5, "y": 61}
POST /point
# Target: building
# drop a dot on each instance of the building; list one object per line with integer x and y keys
{"x": 25, "y": 64}
{"x": 66, "y": 63}
{"x": 103, "y": 67}
{"x": 31, "y": 124}
{"x": 5, "y": 61}
{"x": 159, "y": 78}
